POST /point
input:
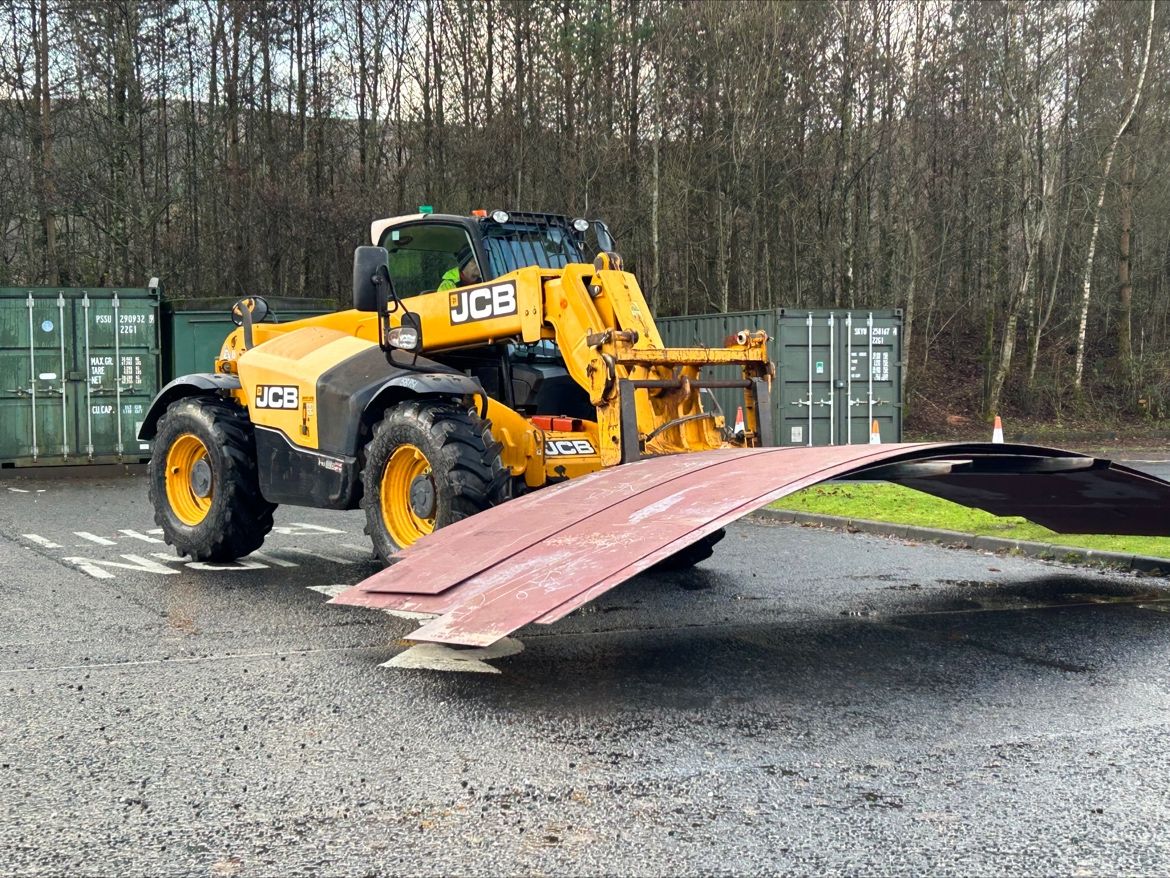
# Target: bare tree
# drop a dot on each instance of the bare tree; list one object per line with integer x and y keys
{"x": 1087, "y": 283}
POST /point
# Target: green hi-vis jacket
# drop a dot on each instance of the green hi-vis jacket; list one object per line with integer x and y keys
{"x": 450, "y": 279}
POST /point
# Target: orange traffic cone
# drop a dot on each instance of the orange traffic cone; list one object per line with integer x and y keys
{"x": 997, "y": 433}
{"x": 875, "y": 434}
{"x": 739, "y": 428}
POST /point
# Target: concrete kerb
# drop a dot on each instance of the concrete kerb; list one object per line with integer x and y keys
{"x": 955, "y": 539}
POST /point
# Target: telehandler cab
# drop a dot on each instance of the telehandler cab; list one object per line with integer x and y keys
{"x": 426, "y": 402}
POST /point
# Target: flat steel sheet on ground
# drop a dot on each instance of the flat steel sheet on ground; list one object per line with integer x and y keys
{"x": 538, "y": 558}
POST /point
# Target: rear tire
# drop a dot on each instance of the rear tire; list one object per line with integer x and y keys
{"x": 203, "y": 482}
{"x": 695, "y": 553}
{"x": 430, "y": 463}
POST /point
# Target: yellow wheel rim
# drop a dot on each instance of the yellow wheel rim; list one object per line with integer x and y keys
{"x": 188, "y": 478}
{"x": 403, "y": 521}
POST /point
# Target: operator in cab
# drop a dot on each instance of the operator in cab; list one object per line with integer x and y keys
{"x": 466, "y": 272}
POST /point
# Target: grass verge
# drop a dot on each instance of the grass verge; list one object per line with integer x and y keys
{"x": 880, "y": 501}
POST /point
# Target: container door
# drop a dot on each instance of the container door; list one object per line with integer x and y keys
{"x": 806, "y": 372}
{"x": 118, "y": 342}
{"x": 34, "y": 395}
{"x": 886, "y": 372}
{"x": 871, "y": 363}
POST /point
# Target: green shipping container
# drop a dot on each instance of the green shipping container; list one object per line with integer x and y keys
{"x": 837, "y": 371}
{"x": 78, "y": 369}
{"x": 194, "y": 329}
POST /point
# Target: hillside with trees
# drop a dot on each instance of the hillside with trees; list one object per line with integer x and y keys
{"x": 998, "y": 170}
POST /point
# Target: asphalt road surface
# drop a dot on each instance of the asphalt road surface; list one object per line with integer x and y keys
{"x": 1155, "y": 462}
{"x": 805, "y": 701}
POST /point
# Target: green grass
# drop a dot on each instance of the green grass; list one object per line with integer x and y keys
{"x": 879, "y": 501}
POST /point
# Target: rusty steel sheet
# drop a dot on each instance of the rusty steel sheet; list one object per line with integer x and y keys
{"x": 537, "y": 558}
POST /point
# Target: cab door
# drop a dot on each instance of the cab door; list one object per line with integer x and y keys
{"x": 421, "y": 253}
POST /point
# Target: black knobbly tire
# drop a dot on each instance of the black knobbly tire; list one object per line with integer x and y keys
{"x": 238, "y": 517}
{"x": 465, "y": 472}
{"x": 686, "y": 558}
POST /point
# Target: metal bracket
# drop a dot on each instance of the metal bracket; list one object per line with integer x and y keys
{"x": 764, "y": 411}
{"x": 628, "y": 416}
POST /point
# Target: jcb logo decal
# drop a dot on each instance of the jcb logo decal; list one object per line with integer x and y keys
{"x": 483, "y": 303}
{"x": 565, "y": 447}
{"x": 276, "y": 396}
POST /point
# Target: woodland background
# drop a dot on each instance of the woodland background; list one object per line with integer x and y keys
{"x": 999, "y": 170}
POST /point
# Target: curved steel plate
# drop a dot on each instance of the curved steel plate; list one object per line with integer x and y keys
{"x": 537, "y": 558}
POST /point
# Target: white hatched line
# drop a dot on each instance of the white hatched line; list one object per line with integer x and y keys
{"x": 328, "y": 590}
{"x": 41, "y": 541}
{"x": 87, "y": 566}
{"x": 313, "y": 553}
{"x": 155, "y": 530}
{"x": 273, "y": 560}
{"x": 18, "y": 491}
{"x": 94, "y": 538}
{"x": 367, "y": 550}
{"x": 138, "y": 536}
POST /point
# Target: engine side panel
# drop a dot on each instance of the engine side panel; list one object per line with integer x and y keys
{"x": 280, "y": 378}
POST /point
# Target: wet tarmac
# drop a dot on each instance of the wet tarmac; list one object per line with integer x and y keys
{"x": 805, "y": 701}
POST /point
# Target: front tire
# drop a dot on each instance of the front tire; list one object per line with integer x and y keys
{"x": 203, "y": 481}
{"x": 429, "y": 464}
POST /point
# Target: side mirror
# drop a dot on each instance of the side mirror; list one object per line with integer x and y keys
{"x": 369, "y": 263}
{"x": 246, "y": 312}
{"x": 256, "y": 308}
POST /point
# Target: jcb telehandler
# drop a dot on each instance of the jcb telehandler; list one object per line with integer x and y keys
{"x": 437, "y": 396}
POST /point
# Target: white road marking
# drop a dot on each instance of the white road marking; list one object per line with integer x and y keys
{"x": 328, "y": 590}
{"x": 322, "y": 555}
{"x": 438, "y": 657}
{"x": 299, "y": 528}
{"x": 19, "y": 491}
{"x": 96, "y": 567}
{"x": 94, "y": 538}
{"x": 273, "y": 560}
{"x": 366, "y": 550}
{"x": 87, "y": 566}
{"x": 138, "y": 536}
{"x": 216, "y": 566}
{"x": 41, "y": 541}
{"x": 155, "y": 530}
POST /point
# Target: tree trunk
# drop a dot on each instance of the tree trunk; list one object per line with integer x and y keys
{"x": 1087, "y": 284}
{"x": 1124, "y": 278}
{"x": 1020, "y": 301}
{"x": 46, "y": 194}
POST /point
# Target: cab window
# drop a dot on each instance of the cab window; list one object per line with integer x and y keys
{"x": 420, "y": 255}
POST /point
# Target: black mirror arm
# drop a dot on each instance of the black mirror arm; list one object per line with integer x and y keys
{"x": 246, "y": 324}
{"x": 386, "y": 294}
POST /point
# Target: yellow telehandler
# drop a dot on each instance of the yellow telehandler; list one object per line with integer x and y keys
{"x": 484, "y": 356}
